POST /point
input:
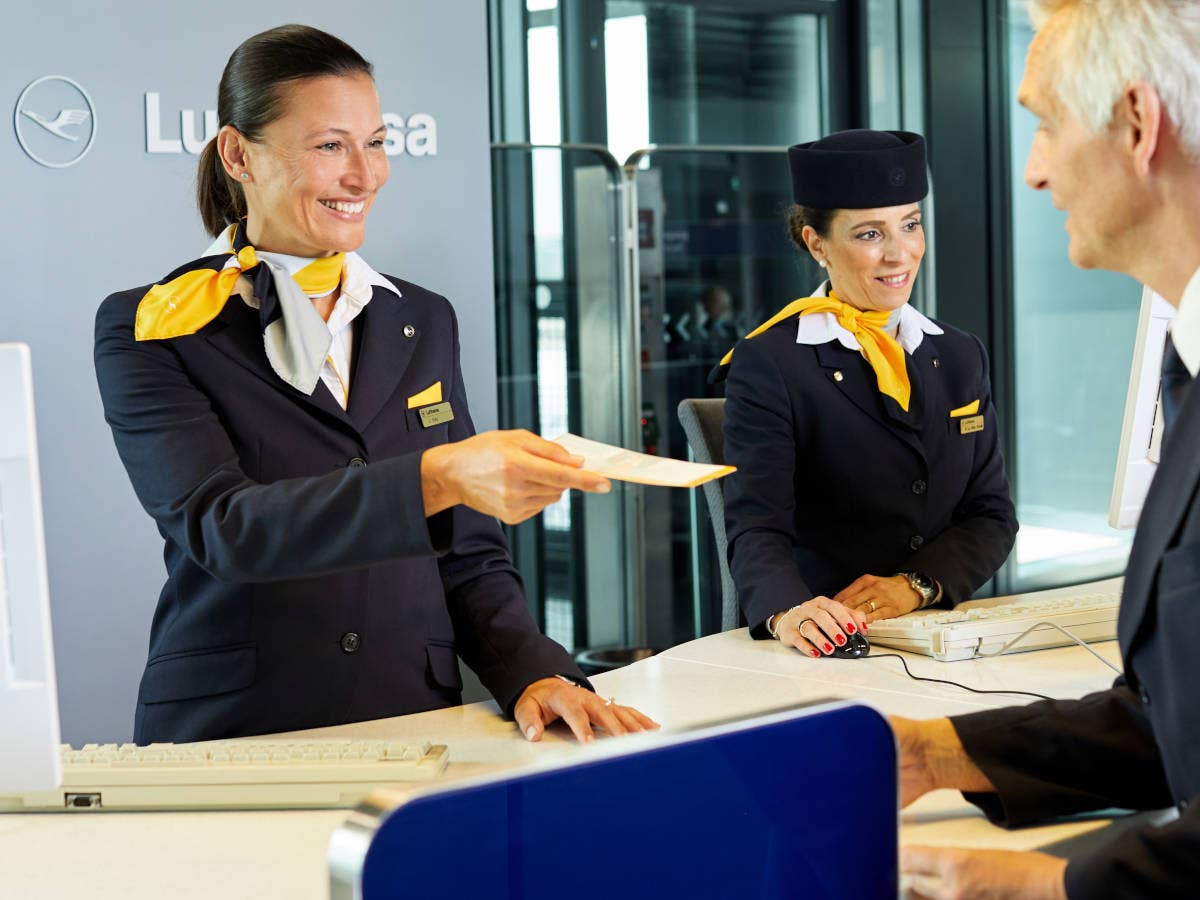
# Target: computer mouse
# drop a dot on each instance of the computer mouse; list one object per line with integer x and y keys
{"x": 856, "y": 646}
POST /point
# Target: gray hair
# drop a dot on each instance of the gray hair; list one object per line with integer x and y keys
{"x": 1104, "y": 45}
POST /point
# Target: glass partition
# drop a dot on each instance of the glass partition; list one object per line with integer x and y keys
{"x": 561, "y": 309}
{"x": 714, "y": 259}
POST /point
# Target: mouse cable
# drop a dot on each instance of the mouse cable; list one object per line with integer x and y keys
{"x": 1034, "y": 627}
{"x": 965, "y": 687}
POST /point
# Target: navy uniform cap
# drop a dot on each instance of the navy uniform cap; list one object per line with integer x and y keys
{"x": 859, "y": 169}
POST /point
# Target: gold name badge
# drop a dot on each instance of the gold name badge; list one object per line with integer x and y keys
{"x": 970, "y": 424}
{"x": 437, "y": 414}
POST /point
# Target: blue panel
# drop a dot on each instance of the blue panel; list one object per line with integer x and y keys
{"x": 799, "y": 807}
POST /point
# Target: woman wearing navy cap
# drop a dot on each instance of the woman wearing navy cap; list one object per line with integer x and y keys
{"x": 869, "y": 478}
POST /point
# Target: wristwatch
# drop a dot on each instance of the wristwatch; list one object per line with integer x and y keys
{"x": 927, "y": 587}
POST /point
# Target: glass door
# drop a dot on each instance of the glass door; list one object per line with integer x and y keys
{"x": 616, "y": 295}
{"x": 562, "y": 316}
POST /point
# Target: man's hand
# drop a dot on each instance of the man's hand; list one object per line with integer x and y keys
{"x": 931, "y": 757}
{"x": 511, "y": 475}
{"x": 942, "y": 873}
{"x": 879, "y": 597}
{"x": 552, "y": 698}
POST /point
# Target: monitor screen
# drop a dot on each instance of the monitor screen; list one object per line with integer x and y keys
{"x": 29, "y": 756}
{"x": 1141, "y": 432}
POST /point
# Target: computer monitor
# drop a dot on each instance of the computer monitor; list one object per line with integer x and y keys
{"x": 29, "y": 755}
{"x": 1141, "y": 433}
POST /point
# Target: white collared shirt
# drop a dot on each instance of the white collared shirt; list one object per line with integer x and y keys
{"x": 1185, "y": 326}
{"x": 358, "y": 284}
{"x": 823, "y": 327}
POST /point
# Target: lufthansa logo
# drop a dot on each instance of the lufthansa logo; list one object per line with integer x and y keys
{"x": 898, "y": 177}
{"x": 55, "y": 121}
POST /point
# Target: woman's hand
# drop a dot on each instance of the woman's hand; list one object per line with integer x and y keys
{"x": 817, "y": 625}
{"x": 878, "y": 597}
{"x": 511, "y": 475}
{"x": 552, "y": 698}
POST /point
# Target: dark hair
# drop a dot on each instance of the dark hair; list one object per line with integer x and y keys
{"x": 250, "y": 97}
{"x": 817, "y": 219}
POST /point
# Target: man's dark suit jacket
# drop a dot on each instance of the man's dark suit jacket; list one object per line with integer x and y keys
{"x": 1136, "y": 746}
{"x": 305, "y": 586}
{"x": 833, "y": 482}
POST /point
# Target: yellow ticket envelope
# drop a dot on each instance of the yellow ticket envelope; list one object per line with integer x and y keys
{"x": 639, "y": 468}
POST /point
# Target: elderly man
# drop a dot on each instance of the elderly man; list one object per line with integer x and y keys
{"x": 1116, "y": 87}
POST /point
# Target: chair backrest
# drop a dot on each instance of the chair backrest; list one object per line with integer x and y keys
{"x": 702, "y": 420}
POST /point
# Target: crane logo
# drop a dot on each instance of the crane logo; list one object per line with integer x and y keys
{"x": 55, "y": 121}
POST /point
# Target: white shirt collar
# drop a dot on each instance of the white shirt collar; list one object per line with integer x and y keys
{"x": 1185, "y": 327}
{"x": 358, "y": 278}
{"x": 821, "y": 328}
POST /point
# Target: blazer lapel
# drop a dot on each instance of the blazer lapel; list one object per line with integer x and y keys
{"x": 1171, "y": 494}
{"x": 849, "y": 372}
{"x": 237, "y": 332}
{"x": 382, "y": 356}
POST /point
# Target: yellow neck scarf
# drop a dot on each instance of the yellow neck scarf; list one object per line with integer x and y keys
{"x": 186, "y": 304}
{"x": 883, "y": 353}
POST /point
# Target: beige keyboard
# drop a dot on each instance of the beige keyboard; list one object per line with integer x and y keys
{"x": 984, "y": 627}
{"x": 234, "y": 774}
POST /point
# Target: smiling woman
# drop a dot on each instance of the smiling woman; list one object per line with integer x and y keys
{"x": 869, "y": 481}
{"x": 297, "y": 425}
{"x": 313, "y": 173}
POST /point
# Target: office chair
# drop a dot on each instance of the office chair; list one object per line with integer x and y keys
{"x": 701, "y": 421}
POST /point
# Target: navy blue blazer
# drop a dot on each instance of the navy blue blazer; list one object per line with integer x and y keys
{"x": 833, "y": 482}
{"x": 1137, "y": 745}
{"x": 305, "y": 585}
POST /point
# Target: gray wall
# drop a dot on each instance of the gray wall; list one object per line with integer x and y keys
{"x": 123, "y": 216}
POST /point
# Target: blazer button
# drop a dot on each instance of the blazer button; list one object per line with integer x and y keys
{"x": 915, "y": 542}
{"x": 357, "y": 463}
{"x": 936, "y": 362}
{"x": 409, "y": 331}
{"x": 838, "y": 376}
{"x": 350, "y": 642}
{"x": 1144, "y": 695}
{"x": 919, "y": 487}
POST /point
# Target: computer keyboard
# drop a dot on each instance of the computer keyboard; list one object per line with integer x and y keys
{"x": 983, "y": 627}
{"x": 233, "y": 774}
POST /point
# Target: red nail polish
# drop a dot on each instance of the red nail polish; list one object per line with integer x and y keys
{"x": 849, "y": 628}
{"x": 840, "y": 639}
{"x": 814, "y": 653}
{"x": 828, "y": 647}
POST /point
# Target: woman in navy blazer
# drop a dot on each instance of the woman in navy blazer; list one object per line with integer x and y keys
{"x": 869, "y": 477}
{"x": 297, "y": 426}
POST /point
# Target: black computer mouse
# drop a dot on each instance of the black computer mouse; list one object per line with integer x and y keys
{"x": 856, "y": 646}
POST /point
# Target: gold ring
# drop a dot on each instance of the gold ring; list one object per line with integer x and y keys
{"x": 871, "y": 603}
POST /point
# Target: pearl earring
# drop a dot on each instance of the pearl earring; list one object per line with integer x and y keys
{"x": 245, "y": 176}
{"x": 821, "y": 263}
